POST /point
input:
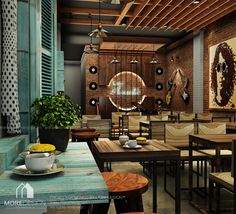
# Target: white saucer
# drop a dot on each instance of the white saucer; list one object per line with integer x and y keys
{"x": 22, "y": 170}
{"x": 128, "y": 147}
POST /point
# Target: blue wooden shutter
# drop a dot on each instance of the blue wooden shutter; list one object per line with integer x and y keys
{"x": 47, "y": 80}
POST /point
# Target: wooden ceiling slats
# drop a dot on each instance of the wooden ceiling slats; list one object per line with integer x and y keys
{"x": 186, "y": 12}
{"x": 154, "y": 14}
{"x": 203, "y": 14}
{"x": 172, "y": 15}
{"x": 137, "y": 11}
{"x": 215, "y": 18}
{"x": 146, "y": 13}
{"x": 179, "y": 10}
{"x": 166, "y": 12}
{"x": 123, "y": 12}
{"x": 225, "y": 9}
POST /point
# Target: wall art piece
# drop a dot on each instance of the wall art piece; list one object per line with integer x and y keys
{"x": 159, "y": 101}
{"x": 222, "y": 75}
{"x": 159, "y": 86}
{"x": 93, "y": 85}
{"x": 93, "y": 69}
{"x": 9, "y": 78}
{"x": 159, "y": 71}
{"x": 93, "y": 101}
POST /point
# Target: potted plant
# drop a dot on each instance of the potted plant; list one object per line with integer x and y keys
{"x": 54, "y": 115}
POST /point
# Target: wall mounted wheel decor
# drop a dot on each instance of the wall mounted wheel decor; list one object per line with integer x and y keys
{"x": 159, "y": 86}
{"x": 93, "y": 69}
{"x": 93, "y": 85}
{"x": 159, "y": 71}
{"x": 93, "y": 102}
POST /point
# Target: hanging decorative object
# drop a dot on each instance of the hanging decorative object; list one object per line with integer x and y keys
{"x": 91, "y": 49}
{"x": 93, "y": 69}
{"x": 100, "y": 32}
{"x": 159, "y": 71}
{"x": 9, "y": 77}
{"x": 93, "y": 102}
{"x": 93, "y": 85}
{"x": 159, "y": 86}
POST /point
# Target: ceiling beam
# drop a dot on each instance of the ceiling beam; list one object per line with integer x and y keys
{"x": 199, "y": 14}
{"x": 174, "y": 14}
{"x": 123, "y": 12}
{"x": 186, "y": 12}
{"x": 85, "y": 22}
{"x": 155, "y": 13}
{"x": 165, "y": 13}
{"x": 215, "y": 15}
{"x": 96, "y": 1}
{"x": 136, "y": 12}
{"x": 146, "y": 13}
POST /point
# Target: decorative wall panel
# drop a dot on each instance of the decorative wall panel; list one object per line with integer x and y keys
{"x": 9, "y": 94}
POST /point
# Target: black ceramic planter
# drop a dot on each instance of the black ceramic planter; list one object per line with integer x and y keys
{"x": 57, "y": 137}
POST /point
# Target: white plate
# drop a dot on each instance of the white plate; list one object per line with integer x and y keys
{"x": 128, "y": 147}
{"x": 22, "y": 170}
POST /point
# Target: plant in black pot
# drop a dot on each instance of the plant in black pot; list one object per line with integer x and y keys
{"x": 54, "y": 115}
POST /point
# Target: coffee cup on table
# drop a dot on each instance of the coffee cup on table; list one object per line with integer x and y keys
{"x": 132, "y": 143}
{"x": 123, "y": 139}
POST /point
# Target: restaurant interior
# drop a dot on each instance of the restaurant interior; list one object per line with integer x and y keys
{"x": 117, "y": 106}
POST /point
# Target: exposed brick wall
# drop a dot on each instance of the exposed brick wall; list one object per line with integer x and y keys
{"x": 215, "y": 33}
{"x": 183, "y": 60}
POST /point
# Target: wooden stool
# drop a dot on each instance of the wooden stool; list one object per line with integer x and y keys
{"x": 126, "y": 190}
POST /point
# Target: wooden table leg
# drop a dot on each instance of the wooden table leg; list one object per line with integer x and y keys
{"x": 218, "y": 164}
{"x": 190, "y": 180}
{"x": 154, "y": 180}
{"x": 177, "y": 187}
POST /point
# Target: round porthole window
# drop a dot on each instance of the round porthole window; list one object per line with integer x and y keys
{"x": 159, "y": 86}
{"x": 159, "y": 101}
{"x": 93, "y": 102}
{"x": 93, "y": 86}
{"x": 93, "y": 69}
{"x": 159, "y": 71}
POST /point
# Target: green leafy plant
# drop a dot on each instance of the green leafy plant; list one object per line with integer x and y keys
{"x": 55, "y": 111}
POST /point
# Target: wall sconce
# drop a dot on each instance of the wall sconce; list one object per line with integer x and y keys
{"x": 174, "y": 59}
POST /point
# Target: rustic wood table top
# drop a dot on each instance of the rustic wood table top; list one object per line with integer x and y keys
{"x": 79, "y": 183}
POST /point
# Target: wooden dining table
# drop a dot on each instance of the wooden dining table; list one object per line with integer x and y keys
{"x": 106, "y": 150}
{"x": 80, "y": 183}
{"x": 217, "y": 142}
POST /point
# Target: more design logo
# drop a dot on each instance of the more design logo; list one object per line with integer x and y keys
{"x": 24, "y": 190}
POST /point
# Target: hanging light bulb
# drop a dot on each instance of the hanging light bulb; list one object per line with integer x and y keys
{"x": 91, "y": 49}
{"x": 134, "y": 61}
{"x": 154, "y": 60}
{"x": 114, "y": 61}
{"x": 99, "y": 32}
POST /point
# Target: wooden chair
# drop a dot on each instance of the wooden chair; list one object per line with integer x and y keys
{"x": 126, "y": 189}
{"x": 214, "y": 129}
{"x": 177, "y": 135}
{"x": 133, "y": 126}
{"x": 115, "y": 123}
{"x": 204, "y": 116}
{"x": 186, "y": 116}
{"x": 223, "y": 180}
{"x": 103, "y": 127}
{"x": 87, "y": 117}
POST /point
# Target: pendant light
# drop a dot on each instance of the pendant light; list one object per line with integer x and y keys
{"x": 153, "y": 60}
{"x": 99, "y": 32}
{"x": 91, "y": 48}
{"x": 115, "y": 60}
{"x": 133, "y": 60}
